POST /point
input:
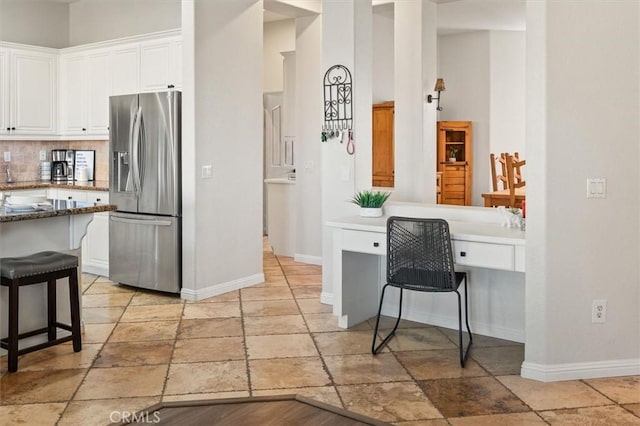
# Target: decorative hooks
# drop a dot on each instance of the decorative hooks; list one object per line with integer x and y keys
{"x": 338, "y": 106}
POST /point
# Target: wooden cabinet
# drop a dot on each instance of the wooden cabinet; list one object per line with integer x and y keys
{"x": 382, "y": 136}
{"x": 455, "y": 161}
{"x": 29, "y": 91}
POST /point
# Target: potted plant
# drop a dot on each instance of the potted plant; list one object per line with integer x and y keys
{"x": 370, "y": 202}
{"x": 453, "y": 151}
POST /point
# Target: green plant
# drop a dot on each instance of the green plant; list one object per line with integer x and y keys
{"x": 370, "y": 199}
{"x": 452, "y": 152}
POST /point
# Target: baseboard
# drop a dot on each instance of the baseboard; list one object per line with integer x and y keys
{"x": 326, "y": 298}
{"x": 580, "y": 370}
{"x": 305, "y": 258}
{"x": 447, "y": 321}
{"x": 214, "y": 290}
{"x": 96, "y": 270}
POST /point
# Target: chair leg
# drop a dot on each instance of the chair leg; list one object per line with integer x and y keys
{"x": 374, "y": 349}
{"x": 463, "y": 353}
{"x": 75, "y": 311}
{"x": 51, "y": 310}
{"x": 12, "y": 348}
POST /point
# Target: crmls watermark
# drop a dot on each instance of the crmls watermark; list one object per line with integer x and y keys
{"x": 129, "y": 417}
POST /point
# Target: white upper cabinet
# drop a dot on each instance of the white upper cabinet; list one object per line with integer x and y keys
{"x": 98, "y": 91}
{"x": 125, "y": 66}
{"x": 29, "y": 86}
{"x": 84, "y": 93}
{"x": 4, "y": 91}
{"x": 160, "y": 64}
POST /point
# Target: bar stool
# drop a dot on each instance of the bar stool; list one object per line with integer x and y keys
{"x": 44, "y": 267}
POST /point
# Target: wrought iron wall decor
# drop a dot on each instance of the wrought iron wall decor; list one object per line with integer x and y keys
{"x": 338, "y": 106}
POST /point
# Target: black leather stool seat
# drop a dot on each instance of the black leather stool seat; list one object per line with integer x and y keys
{"x": 36, "y": 264}
{"x": 45, "y": 267}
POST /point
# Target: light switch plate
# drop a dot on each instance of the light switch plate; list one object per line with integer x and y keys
{"x": 596, "y": 188}
{"x": 7, "y": 156}
{"x": 207, "y": 171}
{"x": 43, "y": 155}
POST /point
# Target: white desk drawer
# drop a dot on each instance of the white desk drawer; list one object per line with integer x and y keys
{"x": 364, "y": 242}
{"x": 484, "y": 255}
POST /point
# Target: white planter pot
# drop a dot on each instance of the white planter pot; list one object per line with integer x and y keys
{"x": 370, "y": 212}
{"x": 452, "y": 159}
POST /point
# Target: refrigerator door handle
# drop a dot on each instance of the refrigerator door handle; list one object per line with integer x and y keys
{"x": 135, "y": 153}
{"x": 141, "y": 221}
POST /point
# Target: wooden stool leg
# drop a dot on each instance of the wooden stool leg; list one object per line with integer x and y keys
{"x": 75, "y": 310}
{"x": 13, "y": 327}
{"x": 51, "y": 310}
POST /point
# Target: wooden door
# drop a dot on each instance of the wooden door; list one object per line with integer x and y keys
{"x": 383, "y": 158}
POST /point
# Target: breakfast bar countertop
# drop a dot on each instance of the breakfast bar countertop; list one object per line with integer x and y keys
{"x": 58, "y": 208}
{"x": 98, "y": 185}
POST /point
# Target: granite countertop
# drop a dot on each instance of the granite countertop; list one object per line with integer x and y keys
{"x": 60, "y": 208}
{"x": 98, "y": 185}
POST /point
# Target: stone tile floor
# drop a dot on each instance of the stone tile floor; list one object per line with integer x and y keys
{"x": 141, "y": 347}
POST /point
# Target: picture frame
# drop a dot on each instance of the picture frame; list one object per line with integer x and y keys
{"x": 86, "y": 159}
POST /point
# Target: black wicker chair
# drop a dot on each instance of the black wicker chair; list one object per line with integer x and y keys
{"x": 420, "y": 258}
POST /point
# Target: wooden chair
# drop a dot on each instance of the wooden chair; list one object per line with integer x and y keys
{"x": 514, "y": 176}
{"x": 495, "y": 177}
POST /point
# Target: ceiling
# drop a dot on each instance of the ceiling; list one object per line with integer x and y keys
{"x": 453, "y": 15}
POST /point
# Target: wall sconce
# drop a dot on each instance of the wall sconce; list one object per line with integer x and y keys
{"x": 438, "y": 88}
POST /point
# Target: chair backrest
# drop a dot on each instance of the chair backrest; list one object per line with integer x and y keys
{"x": 514, "y": 176}
{"x": 495, "y": 177}
{"x": 419, "y": 254}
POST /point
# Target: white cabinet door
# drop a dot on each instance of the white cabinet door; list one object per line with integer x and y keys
{"x": 155, "y": 65}
{"x": 125, "y": 69}
{"x": 97, "y": 94}
{"x": 95, "y": 246}
{"x": 34, "y": 87}
{"x": 161, "y": 64}
{"x": 5, "y": 128}
{"x": 177, "y": 63}
{"x": 73, "y": 73}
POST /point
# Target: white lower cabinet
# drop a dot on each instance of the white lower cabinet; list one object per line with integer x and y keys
{"x": 95, "y": 245}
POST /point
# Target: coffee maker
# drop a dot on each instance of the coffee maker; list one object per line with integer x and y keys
{"x": 62, "y": 165}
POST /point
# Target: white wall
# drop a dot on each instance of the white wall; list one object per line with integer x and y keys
{"x": 96, "y": 20}
{"x": 41, "y": 23}
{"x": 464, "y": 63}
{"x": 308, "y": 104}
{"x": 507, "y": 63}
{"x": 581, "y": 249}
{"x": 279, "y": 36}
{"x": 224, "y": 230}
{"x": 484, "y": 73}
{"x": 383, "y": 40}
{"x": 415, "y": 70}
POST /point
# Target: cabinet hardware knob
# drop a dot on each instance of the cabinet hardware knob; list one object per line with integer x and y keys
{"x": 84, "y": 129}
{"x": 13, "y": 128}
{"x": 170, "y": 86}
{"x": 98, "y": 200}
{"x": 463, "y": 253}
{"x": 69, "y": 197}
{"x": 376, "y": 244}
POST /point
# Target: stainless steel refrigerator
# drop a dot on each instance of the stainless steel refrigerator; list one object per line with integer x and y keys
{"x": 145, "y": 183}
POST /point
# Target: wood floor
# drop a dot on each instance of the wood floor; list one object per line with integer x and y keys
{"x": 265, "y": 411}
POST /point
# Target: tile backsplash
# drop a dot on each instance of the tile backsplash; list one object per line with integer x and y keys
{"x": 25, "y": 157}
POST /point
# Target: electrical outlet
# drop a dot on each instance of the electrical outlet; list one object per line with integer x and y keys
{"x": 599, "y": 311}
{"x": 43, "y": 155}
{"x": 7, "y": 156}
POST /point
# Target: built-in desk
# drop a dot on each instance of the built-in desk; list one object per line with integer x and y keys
{"x": 484, "y": 250}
